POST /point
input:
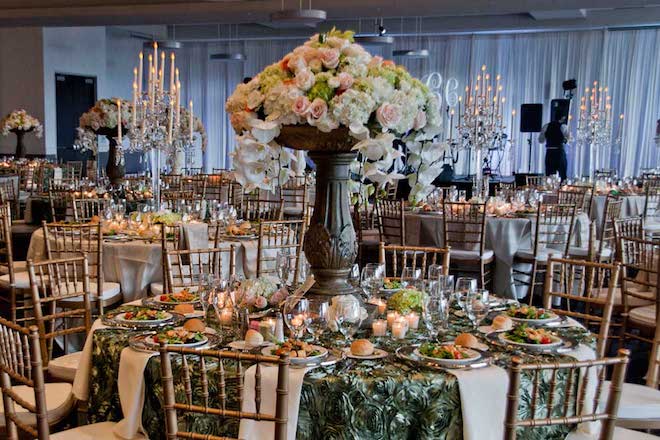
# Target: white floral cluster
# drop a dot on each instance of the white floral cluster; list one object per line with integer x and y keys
{"x": 20, "y": 120}
{"x": 326, "y": 83}
{"x": 103, "y": 115}
{"x": 259, "y": 293}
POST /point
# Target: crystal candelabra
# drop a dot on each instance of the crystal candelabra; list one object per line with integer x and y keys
{"x": 480, "y": 127}
{"x": 594, "y": 128}
{"x": 157, "y": 124}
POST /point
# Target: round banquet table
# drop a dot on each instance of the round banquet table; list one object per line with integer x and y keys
{"x": 631, "y": 206}
{"x": 504, "y": 235}
{"x": 353, "y": 399}
{"x": 135, "y": 264}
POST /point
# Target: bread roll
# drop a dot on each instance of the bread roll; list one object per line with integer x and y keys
{"x": 253, "y": 338}
{"x": 502, "y": 322}
{"x": 194, "y": 325}
{"x": 467, "y": 340}
{"x": 184, "y": 308}
{"x": 362, "y": 347}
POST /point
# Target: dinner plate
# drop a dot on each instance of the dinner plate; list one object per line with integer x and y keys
{"x": 150, "y": 340}
{"x": 115, "y": 318}
{"x": 157, "y": 300}
{"x": 474, "y": 355}
{"x": 377, "y": 354}
{"x": 122, "y": 318}
{"x": 557, "y": 342}
{"x": 535, "y": 322}
{"x": 268, "y": 351}
{"x": 407, "y": 353}
{"x": 144, "y": 342}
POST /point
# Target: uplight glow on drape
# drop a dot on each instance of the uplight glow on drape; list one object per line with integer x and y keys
{"x": 533, "y": 67}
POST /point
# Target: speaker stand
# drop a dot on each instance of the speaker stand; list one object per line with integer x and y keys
{"x": 529, "y": 158}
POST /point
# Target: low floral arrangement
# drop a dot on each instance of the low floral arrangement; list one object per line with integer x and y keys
{"x": 405, "y": 301}
{"x": 259, "y": 294}
{"x": 20, "y": 120}
{"x": 101, "y": 117}
{"x": 329, "y": 83}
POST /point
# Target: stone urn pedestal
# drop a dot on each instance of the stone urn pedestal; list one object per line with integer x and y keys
{"x": 115, "y": 168}
{"x": 330, "y": 243}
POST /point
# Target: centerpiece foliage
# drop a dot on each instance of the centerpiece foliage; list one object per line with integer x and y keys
{"x": 20, "y": 120}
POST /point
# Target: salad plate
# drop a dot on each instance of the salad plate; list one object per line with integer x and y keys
{"x": 141, "y": 317}
{"x": 145, "y": 342}
{"x": 528, "y": 338}
{"x": 531, "y": 315}
{"x": 172, "y": 299}
{"x": 179, "y": 337}
{"x": 447, "y": 354}
{"x": 409, "y": 354}
{"x": 299, "y": 352}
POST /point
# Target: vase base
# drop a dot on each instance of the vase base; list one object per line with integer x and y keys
{"x": 331, "y": 283}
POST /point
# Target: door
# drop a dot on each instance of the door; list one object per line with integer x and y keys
{"x": 74, "y": 95}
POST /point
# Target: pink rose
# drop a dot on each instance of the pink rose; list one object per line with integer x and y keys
{"x": 420, "y": 120}
{"x": 388, "y": 115}
{"x": 307, "y": 52}
{"x": 345, "y": 81}
{"x": 305, "y": 80}
{"x": 301, "y": 106}
{"x": 329, "y": 57}
{"x": 318, "y": 108}
{"x": 279, "y": 296}
{"x": 260, "y": 302}
{"x": 297, "y": 63}
{"x": 376, "y": 61}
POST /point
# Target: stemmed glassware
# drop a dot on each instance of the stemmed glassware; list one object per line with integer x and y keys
{"x": 372, "y": 278}
{"x": 348, "y": 316}
{"x": 305, "y": 268}
{"x": 477, "y": 306}
{"x": 296, "y": 315}
{"x": 283, "y": 266}
{"x": 464, "y": 286}
{"x": 319, "y": 316}
{"x": 411, "y": 276}
{"x": 435, "y": 310}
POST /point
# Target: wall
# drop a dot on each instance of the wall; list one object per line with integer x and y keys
{"x": 76, "y": 51}
{"x": 21, "y": 81}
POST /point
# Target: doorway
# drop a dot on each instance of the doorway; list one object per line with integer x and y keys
{"x": 74, "y": 95}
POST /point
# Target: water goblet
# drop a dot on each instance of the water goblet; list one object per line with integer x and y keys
{"x": 296, "y": 315}
{"x": 435, "y": 312}
{"x": 372, "y": 277}
{"x": 319, "y": 317}
{"x": 410, "y": 276}
{"x": 354, "y": 276}
{"x": 435, "y": 271}
{"x": 477, "y": 306}
{"x": 347, "y": 316}
{"x": 283, "y": 265}
{"x": 464, "y": 285}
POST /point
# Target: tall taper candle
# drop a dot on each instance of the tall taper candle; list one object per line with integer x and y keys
{"x": 140, "y": 68}
{"x": 135, "y": 98}
{"x": 172, "y": 72}
{"x": 155, "y": 57}
{"x": 119, "y": 140}
{"x": 178, "y": 105}
{"x": 191, "y": 121}
{"x": 162, "y": 70}
{"x": 169, "y": 126}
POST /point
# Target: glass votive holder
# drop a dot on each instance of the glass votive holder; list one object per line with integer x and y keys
{"x": 379, "y": 327}
{"x": 400, "y": 328}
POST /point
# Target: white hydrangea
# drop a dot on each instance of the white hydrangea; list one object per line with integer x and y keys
{"x": 352, "y": 107}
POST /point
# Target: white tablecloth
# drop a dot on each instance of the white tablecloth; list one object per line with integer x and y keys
{"x": 505, "y": 236}
{"x": 631, "y": 206}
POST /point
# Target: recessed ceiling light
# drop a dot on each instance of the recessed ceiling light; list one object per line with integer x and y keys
{"x": 375, "y": 40}
{"x": 164, "y": 44}
{"x": 298, "y": 17}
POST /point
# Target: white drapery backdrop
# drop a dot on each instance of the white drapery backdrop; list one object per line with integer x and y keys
{"x": 533, "y": 67}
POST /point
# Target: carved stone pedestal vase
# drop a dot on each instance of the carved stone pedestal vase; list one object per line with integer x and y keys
{"x": 115, "y": 169}
{"x": 20, "y": 146}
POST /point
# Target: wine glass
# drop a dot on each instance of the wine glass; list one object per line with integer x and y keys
{"x": 354, "y": 276}
{"x": 372, "y": 277}
{"x": 411, "y": 276}
{"x": 305, "y": 268}
{"x": 435, "y": 312}
{"x": 283, "y": 266}
{"x": 435, "y": 271}
{"x": 296, "y": 315}
{"x": 464, "y": 285}
{"x": 477, "y": 306}
{"x": 348, "y": 316}
{"x": 447, "y": 282}
{"x": 319, "y": 316}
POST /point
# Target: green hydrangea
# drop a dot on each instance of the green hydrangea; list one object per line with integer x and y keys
{"x": 270, "y": 77}
{"x": 389, "y": 74}
{"x": 406, "y": 301}
{"x": 321, "y": 90}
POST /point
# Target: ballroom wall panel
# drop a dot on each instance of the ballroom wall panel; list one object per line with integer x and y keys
{"x": 533, "y": 66}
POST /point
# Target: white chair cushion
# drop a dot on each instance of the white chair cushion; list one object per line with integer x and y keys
{"x": 652, "y": 227}
{"x": 96, "y": 431}
{"x": 65, "y": 367}
{"x": 111, "y": 293}
{"x": 463, "y": 255}
{"x": 156, "y": 288}
{"x": 543, "y": 255}
{"x": 619, "y": 434}
{"x": 643, "y": 315}
{"x": 59, "y": 402}
{"x": 21, "y": 280}
{"x": 638, "y": 402}
{"x": 19, "y": 266}
{"x": 618, "y": 300}
{"x": 605, "y": 253}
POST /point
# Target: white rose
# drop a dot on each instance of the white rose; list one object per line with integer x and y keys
{"x": 345, "y": 80}
{"x": 301, "y": 106}
{"x": 388, "y": 115}
{"x": 297, "y": 63}
{"x": 337, "y": 42}
{"x": 315, "y": 65}
{"x": 329, "y": 57}
{"x": 318, "y": 108}
{"x": 334, "y": 82}
{"x": 254, "y": 100}
{"x": 305, "y": 79}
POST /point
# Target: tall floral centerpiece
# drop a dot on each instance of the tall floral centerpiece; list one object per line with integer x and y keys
{"x": 20, "y": 122}
{"x": 109, "y": 118}
{"x": 333, "y": 99}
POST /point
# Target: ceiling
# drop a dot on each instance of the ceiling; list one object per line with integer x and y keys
{"x": 440, "y": 16}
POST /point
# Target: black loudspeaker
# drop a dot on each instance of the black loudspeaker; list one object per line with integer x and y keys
{"x": 531, "y": 118}
{"x": 559, "y": 108}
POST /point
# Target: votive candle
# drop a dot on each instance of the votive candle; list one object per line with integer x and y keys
{"x": 226, "y": 316}
{"x": 379, "y": 327}
{"x": 391, "y": 317}
{"x": 399, "y": 328}
{"x": 267, "y": 328}
{"x": 413, "y": 320}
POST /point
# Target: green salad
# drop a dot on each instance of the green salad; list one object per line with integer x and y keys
{"x": 528, "y": 312}
{"x": 392, "y": 284}
{"x": 178, "y": 336}
{"x": 442, "y": 351}
{"x": 405, "y": 301}
{"x": 523, "y": 334}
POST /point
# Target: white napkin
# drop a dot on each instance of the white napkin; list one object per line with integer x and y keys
{"x": 131, "y": 391}
{"x": 250, "y": 253}
{"x": 81, "y": 380}
{"x": 483, "y": 402}
{"x": 252, "y": 430}
{"x": 195, "y": 235}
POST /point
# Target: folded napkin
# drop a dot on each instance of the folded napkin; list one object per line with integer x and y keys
{"x": 253, "y": 430}
{"x": 250, "y": 253}
{"x": 131, "y": 391}
{"x": 483, "y": 418}
{"x": 81, "y": 380}
{"x": 195, "y": 235}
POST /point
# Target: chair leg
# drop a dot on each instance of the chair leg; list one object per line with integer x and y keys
{"x": 532, "y": 284}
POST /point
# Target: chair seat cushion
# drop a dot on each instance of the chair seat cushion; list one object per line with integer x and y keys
{"x": 605, "y": 253}
{"x": 543, "y": 254}
{"x": 618, "y": 300}
{"x": 59, "y": 402}
{"x": 65, "y": 367}
{"x": 637, "y": 402}
{"x": 652, "y": 227}
{"x": 619, "y": 434}
{"x": 156, "y": 288}
{"x": 463, "y": 255}
{"x": 19, "y": 266}
{"x": 110, "y": 295}
{"x": 96, "y": 431}
{"x": 643, "y": 315}
{"x": 21, "y": 280}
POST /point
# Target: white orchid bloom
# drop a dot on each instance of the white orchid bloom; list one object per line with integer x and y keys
{"x": 358, "y": 131}
{"x": 264, "y": 131}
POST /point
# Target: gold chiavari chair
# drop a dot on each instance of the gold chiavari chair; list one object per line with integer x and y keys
{"x": 184, "y": 267}
{"x": 391, "y": 190}
{"x": 652, "y": 209}
{"x": 589, "y": 190}
{"x": 464, "y": 232}
{"x": 553, "y": 230}
{"x": 219, "y": 188}
{"x": 295, "y": 193}
{"x": 32, "y": 406}
{"x": 170, "y": 240}
{"x": 9, "y": 195}
{"x": 60, "y": 199}
{"x": 220, "y": 364}
{"x": 391, "y": 224}
{"x": 66, "y": 240}
{"x": 14, "y": 278}
{"x": 535, "y": 181}
{"x": 629, "y": 227}
{"x": 197, "y": 184}
{"x": 276, "y": 237}
{"x": 53, "y": 283}
{"x": 575, "y": 195}
{"x": 170, "y": 181}
{"x": 573, "y": 288}
{"x": 254, "y": 208}
{"x": 85, "y": 209}
{"x": 367, "y": 232}
{"x": 603, "y": 243}
{"x": 175, "y": 199}
{"x": 395, "y": 258}
{"x": 578, "y": 405}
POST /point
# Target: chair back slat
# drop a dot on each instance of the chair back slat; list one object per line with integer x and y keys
{"x": 85, "y": 209}
{"x": 396, "y": 258}
{"x": 184, "y": 267}
{"x": 276, "y": 237}
{"x": 464, "y": 225}
{"x": 391, "y": 225}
